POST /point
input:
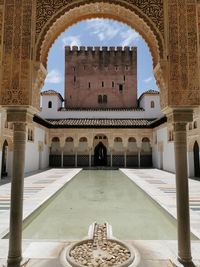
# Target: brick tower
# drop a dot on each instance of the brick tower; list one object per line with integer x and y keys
{"x": 100, "y": 77}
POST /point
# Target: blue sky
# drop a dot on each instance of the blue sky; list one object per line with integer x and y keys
{"x": 99, "y": 32}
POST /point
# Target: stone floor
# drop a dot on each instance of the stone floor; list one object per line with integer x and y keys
{"x": 158, "y": 184}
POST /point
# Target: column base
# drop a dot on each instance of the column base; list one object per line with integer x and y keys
{"x": 186, "y": 262}
{"x": 14, "y": 261}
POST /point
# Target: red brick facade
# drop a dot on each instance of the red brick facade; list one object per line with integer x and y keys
{"x": 100, "y": 77}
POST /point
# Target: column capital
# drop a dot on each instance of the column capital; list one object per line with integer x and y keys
{"x": 180, "y": 115}
{"x": 19, "y": 115}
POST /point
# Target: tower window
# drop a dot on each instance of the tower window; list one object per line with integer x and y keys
{"x": 105, "y": 99}
{"x": 152, "y": 104}
{"x": 102, "y": 84}
{"x": 116, "y": 68}
{"x": 113, "y": 84}
{"x": 89, "y": 85}
{"x": 127, "y": 67}
{"x": 120, "y": 87}
{"x": 124, "y": 78}
{"x": 100, "y": 100}
{"x": 50, "y": 104}
{"x": 74, "y": 69}
{"x": 74, "y": 79}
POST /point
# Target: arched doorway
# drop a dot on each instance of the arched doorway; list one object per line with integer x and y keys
{"x": 4, "y": 159}
{"x": 100, "y": 155}
{"x": 196, "y": 160}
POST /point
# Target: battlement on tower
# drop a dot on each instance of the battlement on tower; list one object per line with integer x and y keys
{"x": 72, "y": 49}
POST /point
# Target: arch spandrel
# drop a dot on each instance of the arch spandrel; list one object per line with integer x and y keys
{"x": 146, "y": 18}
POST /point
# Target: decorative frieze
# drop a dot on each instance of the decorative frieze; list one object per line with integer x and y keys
{"x": 183, "y": 53}
{"x": 46, "y": 9}
{"x": 16, "y": 61}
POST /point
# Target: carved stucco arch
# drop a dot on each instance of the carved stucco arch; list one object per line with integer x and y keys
{"x": 69, "y": 15}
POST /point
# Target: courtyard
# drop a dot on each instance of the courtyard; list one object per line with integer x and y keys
{"x": 40, "y": 187}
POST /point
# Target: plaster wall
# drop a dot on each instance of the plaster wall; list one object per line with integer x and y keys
{"x": 55, "y": 113}
{"x": 145, "y": 103}
{"x": 34, "y": 159}
{"x": 163, "y": 158}
{"x": 56, "y": 104}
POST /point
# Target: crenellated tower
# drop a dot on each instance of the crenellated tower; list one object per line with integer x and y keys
{"x": 100, "y": 77}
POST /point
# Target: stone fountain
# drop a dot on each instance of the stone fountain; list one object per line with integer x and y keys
{"x": 100, "y": 249}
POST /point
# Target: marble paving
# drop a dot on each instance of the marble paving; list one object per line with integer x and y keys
{"x": 38, "y": 188}
{"x": 158, "y": 184}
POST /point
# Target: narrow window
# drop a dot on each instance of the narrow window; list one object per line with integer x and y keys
{"x": 74, "y": 69}
{"x": 127, "y": 68}
{"x": 50, "y": 104}
{"x": 74, "y": 79}
{"x": 99, "y": 99}
{"x": 105, "y": 99}
{"x": 152, "y": 104}
{"x": 124, "y": 78}
{"x": 116, "y": 68}
{"x": 89, "y": 85}
{"x": 120, "y": 87}
{"x": 113, "y": 84}
{"x": 102, "y": 84}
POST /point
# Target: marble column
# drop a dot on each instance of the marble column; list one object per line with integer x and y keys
{"x": 17, "y": 184}
{"x": 90, "y": 157}
{"x": 182, "y": 193}
{"x": 139, "y": 160}
{"x": 62, "y": 157}
{"x": 125, "y": 158}
{"x": 180, "y": 118}
{"x": 111, "y": 158}
{"x": 76, "y": 158}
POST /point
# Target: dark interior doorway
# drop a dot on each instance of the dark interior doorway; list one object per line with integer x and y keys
{"x": 100, "y": 155}
{"x": 196, "y": 160}
{"x": 4, "y": 159}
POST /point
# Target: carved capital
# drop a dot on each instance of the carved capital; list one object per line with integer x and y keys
{"x": 17, "y": 115}
{"x": 179, "y": 116}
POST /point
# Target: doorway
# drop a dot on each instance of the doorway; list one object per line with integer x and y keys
{"x": 100, "y": 155}
{"x": 4, "y": 159}
{"x": 196, "y": 160}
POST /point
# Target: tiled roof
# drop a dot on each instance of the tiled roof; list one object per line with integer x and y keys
{"x": 151, "y": 91}
{"x": 101, "y": 109}
{"x": 100, "y": 122}
{"x": 52, "y": 92}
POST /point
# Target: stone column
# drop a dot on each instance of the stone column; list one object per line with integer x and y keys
{"x": 62, "y": 156}
{"x": 180, "y": 118}
{"x": 76, "y": 158}
{"x": 90, "y": 157}
{"x": 125, "y": 158}
{"x": 111, "y": 158}
{"x": 139, "y": 153}
{"x": 16, "y": 209}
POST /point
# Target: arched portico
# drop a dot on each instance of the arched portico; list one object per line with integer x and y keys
{"x": 170, "y": 29}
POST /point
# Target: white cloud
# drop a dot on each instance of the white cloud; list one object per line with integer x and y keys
{"x": 148, "y": 80}
{"x": 103, "y": 29}
{"x": 72, "y": 40}
{"x": 129, "y": 37}
{"x": 54, "y": 76}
